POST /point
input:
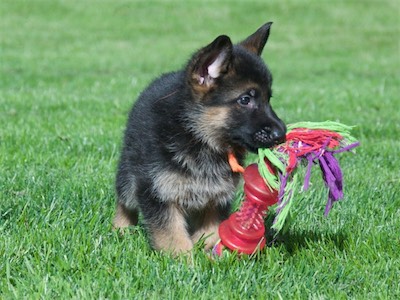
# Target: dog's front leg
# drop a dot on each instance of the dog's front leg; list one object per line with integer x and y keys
{"x": 208, "y": 229}
{"x": 170, "y": 234}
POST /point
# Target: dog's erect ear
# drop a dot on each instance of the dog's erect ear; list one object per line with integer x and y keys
{"x": 211, "y": 62}
{"x": 256, "y": 42}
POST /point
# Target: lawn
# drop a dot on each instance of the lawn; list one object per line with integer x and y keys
{"x": 70, "y": 71}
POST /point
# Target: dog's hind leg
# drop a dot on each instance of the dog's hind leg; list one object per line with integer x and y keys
{"x": 127, "y": 206}
{"x": 125, "y": 217}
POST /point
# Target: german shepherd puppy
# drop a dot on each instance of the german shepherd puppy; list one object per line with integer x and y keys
{"x": 174, "y": 163}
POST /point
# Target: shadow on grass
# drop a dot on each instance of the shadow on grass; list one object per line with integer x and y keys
{"x": 293, "y": 240}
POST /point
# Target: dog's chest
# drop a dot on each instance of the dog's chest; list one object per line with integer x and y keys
{"x": 200, "y": 181}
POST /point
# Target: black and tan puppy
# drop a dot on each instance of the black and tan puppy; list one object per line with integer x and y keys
{"x": 174, "y": 164}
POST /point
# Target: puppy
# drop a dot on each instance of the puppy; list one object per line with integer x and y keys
{"x": 174, "y": 166}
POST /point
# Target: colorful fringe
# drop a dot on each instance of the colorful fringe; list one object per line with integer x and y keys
{"x": 313, "y": 143}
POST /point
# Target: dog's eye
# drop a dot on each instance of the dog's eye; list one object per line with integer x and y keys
{"x": 244, "y": 100}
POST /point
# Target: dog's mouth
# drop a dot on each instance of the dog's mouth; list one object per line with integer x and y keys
{"x": 252, "y": 146}
{"x": 263, "y": 138}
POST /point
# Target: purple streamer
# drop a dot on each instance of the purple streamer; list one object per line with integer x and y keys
{"x": 347, "y": 148}
{"x": 308, "y": 172}
{"x": 328, "y": 206}
{"x": 282, "y": 191}
{"x": 333, "y": 178}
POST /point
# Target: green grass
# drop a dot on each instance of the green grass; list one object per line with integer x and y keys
{"x": 70, "y": 71}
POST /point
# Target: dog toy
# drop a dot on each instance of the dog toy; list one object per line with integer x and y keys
{"x": 274, "y": 180}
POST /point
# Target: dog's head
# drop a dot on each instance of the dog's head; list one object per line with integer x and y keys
{"x": 231, "y": 86}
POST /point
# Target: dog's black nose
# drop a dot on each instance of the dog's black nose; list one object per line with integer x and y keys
{"x": 278, "y": 136}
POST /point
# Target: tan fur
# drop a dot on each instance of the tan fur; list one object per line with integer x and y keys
{"x": 209, "y": 124}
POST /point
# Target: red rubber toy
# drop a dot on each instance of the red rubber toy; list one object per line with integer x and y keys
{"x": 244, "y": 230}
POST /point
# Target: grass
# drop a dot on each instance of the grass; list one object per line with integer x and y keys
{"x": 70, "y": 71}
